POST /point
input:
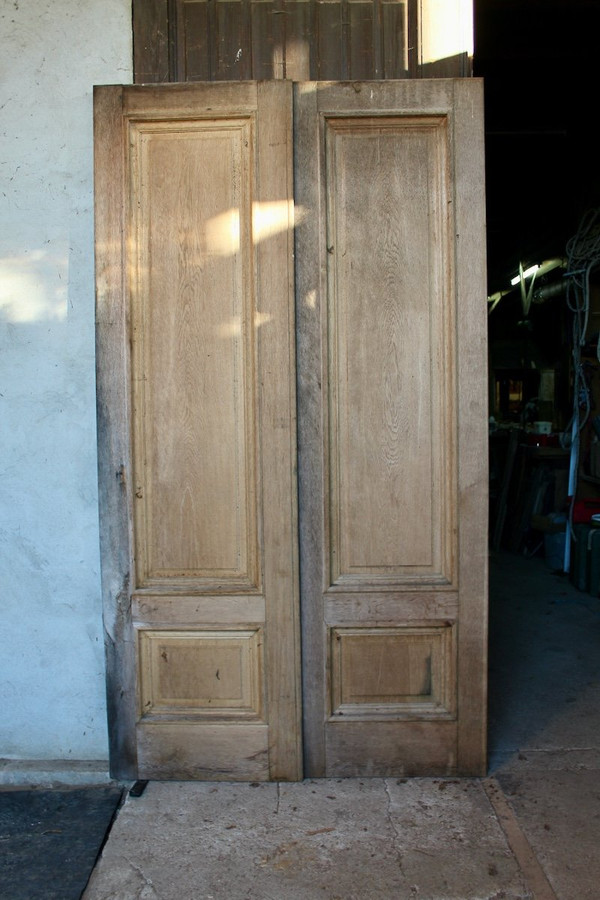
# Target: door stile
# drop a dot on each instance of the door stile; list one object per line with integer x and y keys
{"x": 472, "y": 428}
{"x": 276, "y": 308}
{"x": 311, "y": 388}
{"x": 113, "y": 416}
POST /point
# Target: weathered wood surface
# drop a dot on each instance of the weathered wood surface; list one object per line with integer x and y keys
{"x": 472, "y": 425}
{"x": 300, "y": 40}
{"x": 197, "y": 430}
{"x": 197, "y": 401}
{"x": 392, "y": 467}
{"x": 206, "y": 752}
{"x": 114, "y": 454}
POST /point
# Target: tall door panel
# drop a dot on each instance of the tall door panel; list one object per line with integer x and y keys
{"x": 392, "y": 417}
{"x": 197, "y": 429}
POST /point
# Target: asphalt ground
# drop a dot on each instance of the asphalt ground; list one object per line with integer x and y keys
{"x": 50, "y": 839}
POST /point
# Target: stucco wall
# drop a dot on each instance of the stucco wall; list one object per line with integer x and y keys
{"x": 52, "y": 692}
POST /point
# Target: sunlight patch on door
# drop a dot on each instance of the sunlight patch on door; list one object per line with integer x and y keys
{"x": 222, "y": 233}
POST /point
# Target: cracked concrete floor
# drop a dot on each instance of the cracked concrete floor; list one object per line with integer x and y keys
{"x": 335, "y": 839}
{"x": 529, "y": 831}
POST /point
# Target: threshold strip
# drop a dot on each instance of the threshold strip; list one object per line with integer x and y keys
{"x": 532, "y": 871}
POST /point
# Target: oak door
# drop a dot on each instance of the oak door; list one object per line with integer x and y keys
{"x": 197, "y": 190}
{"x": 197, "y": 436}
{"x": 392, "y": 364}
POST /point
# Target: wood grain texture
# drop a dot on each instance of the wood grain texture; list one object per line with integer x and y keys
{"x": 297, "y": 40}
{"x": 201, "y": 673}
{"x": 182, "y": 751}
{"x": 310, "y": 379}
{"x": 193, "y": 379}
{"x": 388, "y": 607}
{"x": 276, "y": 349}
{"x": 394, "y": 39}
{"x": 203, "y": 399}
{"x": 112, "y": 401}
{"x": 472, "y": 412}
{"x": 152, "y": 50}
{"x": 382, "y": 750}
{"x": 390, "y": 364}
{"x": 380, "y": 305}
{"x": 222, "y": 609}
{"x": 389, "y": 398}
{"x": 337, "y": 40}
{"x": 393, "y": 672}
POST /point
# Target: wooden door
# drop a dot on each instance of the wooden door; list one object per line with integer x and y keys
{"x": 196, "y": 415}
{"x": 301, "y": 40}
{"x": 392, "y": 426}
{"x": 197, "y": 428}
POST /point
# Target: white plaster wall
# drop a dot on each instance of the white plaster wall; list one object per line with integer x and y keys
{"x": 52, "y": 691}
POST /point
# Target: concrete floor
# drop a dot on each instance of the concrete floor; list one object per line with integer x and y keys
{"x": 531, "y": 829}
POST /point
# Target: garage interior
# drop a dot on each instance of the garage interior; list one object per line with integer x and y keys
{"x": 542, "y": 198}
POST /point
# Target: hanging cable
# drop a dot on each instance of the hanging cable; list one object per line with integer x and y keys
{"x": 583, "y": 255}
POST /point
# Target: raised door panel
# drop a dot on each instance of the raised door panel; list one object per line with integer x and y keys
{"x": 390, "y": 434}
{"x": 193, "y": 356}
{"x": 390, "y": 264}
{"x": 196, "y": 378}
